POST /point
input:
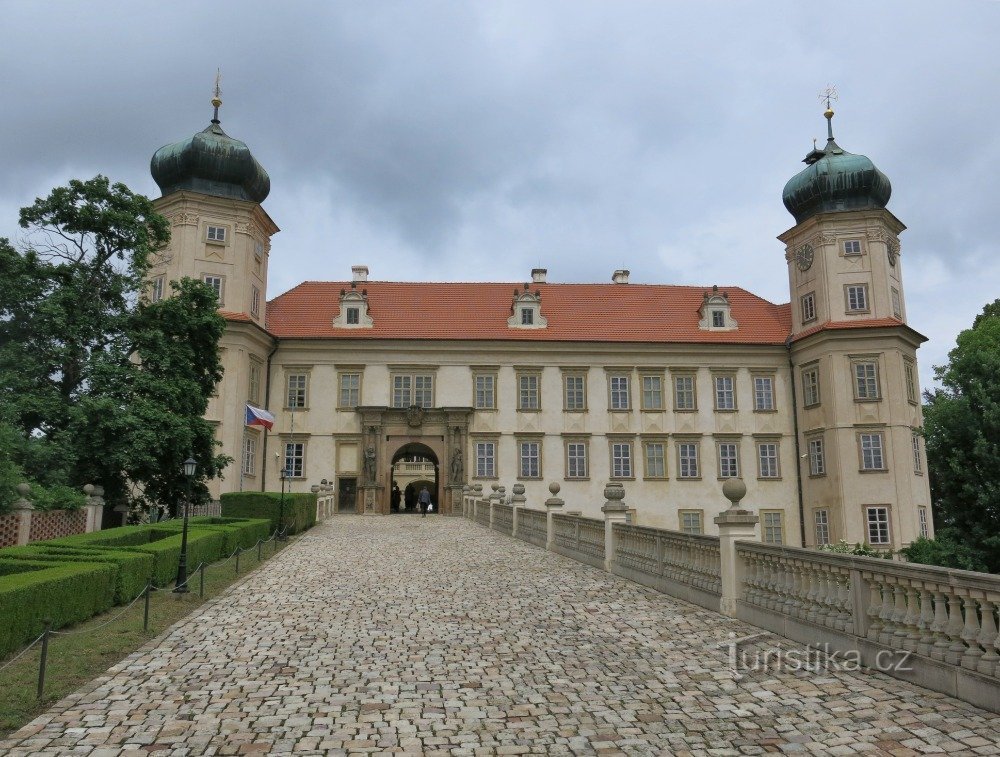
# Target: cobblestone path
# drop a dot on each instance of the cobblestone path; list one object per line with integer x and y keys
{"x": 437, "y": 636}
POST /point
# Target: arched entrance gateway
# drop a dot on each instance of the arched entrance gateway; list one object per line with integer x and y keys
{"x": 415, "y": 446}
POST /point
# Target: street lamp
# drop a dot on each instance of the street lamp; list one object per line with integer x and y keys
{"x": 285, "y": 475}
{"x": 180, "y": 586}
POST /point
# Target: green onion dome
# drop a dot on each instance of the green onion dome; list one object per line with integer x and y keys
{"x": 213, "y": 163}
{"x": 835, "y": 180}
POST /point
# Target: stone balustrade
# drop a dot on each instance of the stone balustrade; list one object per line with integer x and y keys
{"x": 25, "y": 524}
{"x": 935, "y": 627}
{"x": 503, "y": 518}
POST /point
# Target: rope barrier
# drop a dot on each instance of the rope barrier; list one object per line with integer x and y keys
{"x": 23, "y": 652}
{"x": 106, "y": 623}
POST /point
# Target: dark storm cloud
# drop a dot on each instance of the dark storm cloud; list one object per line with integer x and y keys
{"x": 474, "y": 141}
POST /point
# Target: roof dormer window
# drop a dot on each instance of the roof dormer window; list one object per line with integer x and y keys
{"x": 354, "y": 312}
{"x": 715, "y": 313}
{"x": 526, "y": 310}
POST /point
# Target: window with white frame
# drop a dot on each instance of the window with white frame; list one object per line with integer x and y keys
{"x": 527, "y": 392}
{"x": 910, "y": 374}
{"x": 621, "y": 460}
{"x": 767, "y": 459}
{"x": 877, "y": 520}
{"x": 254, "y": 379}
{"x": 527, "y": 316}
{"x": 871, "y": 451}
{"x": 729, "y": 460}
{"x": 353, "y": 316}
{"x": 866, "y": 380}
{"x": 763, "y": 393}
{"x": 619, "y": 393}
{"x": 684, "y": 393}
{"x": 250, "y": 455}
{"x": 772, "y": 526}
{"x": 576, "y": 460}
{"x": 254, "y": 301}
{"x": 718, "y": 319}
{"x": 530, "y": 455}
{"x": 918, "y": 466}
{"x": 821, "y": 519}
{"x": 575, "y": 391}
{"x": 486, "y": 460}
{"x": 810, "y": 386}
{"x": 215, "y": 234}
{"x": 691, "y": 521}
{"x": 296, "y": 385}
{"x": 412, "y": 389}
{"x": 922, "y": 522}
{"x": 852, "y": 247}
{"x": 808, "y": 302}
{"x": 817, "y": 458}
{"x": 857, "y": 298}
{"x": 295, "y": 455}
{"x": 216, "y": 282}
{"x": 652, "y": 392}
{"x": 350, "y": 389}
{"x": 687, "y": 460}
{"x": 725, "y": 392}
{"x": 897, "y": 305}
{"x": 656, "y": 465}
{"x": 486, "y": 391}
{"x": 156, "y": 289}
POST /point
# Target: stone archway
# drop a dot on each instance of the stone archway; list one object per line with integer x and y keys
{"x": 413, "y": 466}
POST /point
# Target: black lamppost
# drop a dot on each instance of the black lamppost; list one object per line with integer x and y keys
{"x": 285, "y": 475}
{"x": 180, "y": 587}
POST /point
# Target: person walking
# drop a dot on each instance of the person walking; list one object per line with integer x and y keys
{"x": 424, "y": 500}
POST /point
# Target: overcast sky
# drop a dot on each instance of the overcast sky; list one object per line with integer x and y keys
{"x": 472, "y": 141}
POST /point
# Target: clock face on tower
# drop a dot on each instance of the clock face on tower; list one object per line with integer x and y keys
{"x": 804, "y": 257}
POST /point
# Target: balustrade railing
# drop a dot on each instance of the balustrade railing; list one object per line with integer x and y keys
{"x": 532, "y": 526}
{"x": 483, "y": 512}
{"x": 579, "y": 537}
{"x": 503, "y": 518}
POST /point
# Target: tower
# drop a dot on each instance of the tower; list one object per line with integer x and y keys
{"x": 853, "y": 355}
{"x": 211, "y": 192}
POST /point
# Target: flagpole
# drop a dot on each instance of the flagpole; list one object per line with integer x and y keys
{"x": 241, "y": 455}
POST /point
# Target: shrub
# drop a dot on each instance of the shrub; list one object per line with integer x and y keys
{"x": 300, "y": 509}
{"x": 946, "y": 551}
{"x": 236, "y": 532}
{"x": 844, "y": 547}
{"x": 31, "y": 592}
{"x": 123, "y": 536}
{"x": 133, "y": 569}
{"x": 165, "y": 547}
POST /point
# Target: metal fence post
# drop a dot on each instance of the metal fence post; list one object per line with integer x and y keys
{"x": 238, "y": 550}
{"x": 260, "y": 548}
{"x": 201, "y": 582}
{"x": 44, "y": 658}
{"x": 145, "y": 610}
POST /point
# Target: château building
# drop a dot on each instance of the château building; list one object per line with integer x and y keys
{"x": 670, "y": 389}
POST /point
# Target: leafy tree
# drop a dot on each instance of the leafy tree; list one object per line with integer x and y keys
{"x": 100, "y": 385}
{"x": 962, "y": 429}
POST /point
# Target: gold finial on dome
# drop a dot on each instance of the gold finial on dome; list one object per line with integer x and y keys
{"x": 217, "y": 95}
{"x": 828, "y": 94}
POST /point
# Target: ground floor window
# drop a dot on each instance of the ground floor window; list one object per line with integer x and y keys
{"x": 250, "y": 456}
{"x": 877, "y": 519}
{"x": 295, "y": 456}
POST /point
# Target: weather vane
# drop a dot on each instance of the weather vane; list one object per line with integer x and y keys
{"x": 828, "y": 94}
{"x": 217, "y": 95}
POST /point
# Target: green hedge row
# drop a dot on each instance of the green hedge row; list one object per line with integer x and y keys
{"x": 43, "y": 579}
{"x": 34, "y": 591}
{"x": 300, "y": 509}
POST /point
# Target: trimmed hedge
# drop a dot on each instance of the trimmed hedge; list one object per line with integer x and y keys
{"x": 63, "y": 593}
{"x": 236, "y": 532}
{"x": 165, "y": 547}
{"x": 300, "y": 509}
{"x": 133, "y": 569}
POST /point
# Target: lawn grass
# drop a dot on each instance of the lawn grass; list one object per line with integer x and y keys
{"x": 91, "y": 647}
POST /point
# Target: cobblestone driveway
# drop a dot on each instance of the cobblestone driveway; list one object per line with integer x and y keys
{"x": 405, "y": 634}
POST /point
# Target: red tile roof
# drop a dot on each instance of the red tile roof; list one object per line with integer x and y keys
{"x": 873, "y": 323}
{"x": 640, "y": 313}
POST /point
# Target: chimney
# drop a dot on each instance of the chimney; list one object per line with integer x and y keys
{"x": 620, "y": 276}
{"x": 538, "y": 275}
{"x": 359, "y": 272}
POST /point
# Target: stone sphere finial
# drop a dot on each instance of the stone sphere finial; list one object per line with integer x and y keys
{"x": 466, "y": 489}
{"x": 734, "y": 490}
{"x": 495, "y": 487}
{"x": 88, "y": 489}
{"x": 518, "y": 489}
{"x": 24, "y": 489}
{"x": 554, "y": 488}
{"x": 478, "y": 488}
{"x": 614, "y": 491}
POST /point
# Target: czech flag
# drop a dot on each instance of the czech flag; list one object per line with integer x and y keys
{"x": 258, "y": 417}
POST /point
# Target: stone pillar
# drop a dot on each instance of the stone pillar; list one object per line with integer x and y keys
{"x": 552, "y": 505}
{"x": 733, "y": 524}
{"x": 466, "y": 493}
{"x": 518, "y": 501}
{"x": 95, "y": 507}
{"x": 24, "y": 509}
{"x": 614, "y": 512}
{"x": 477, "y": 499}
